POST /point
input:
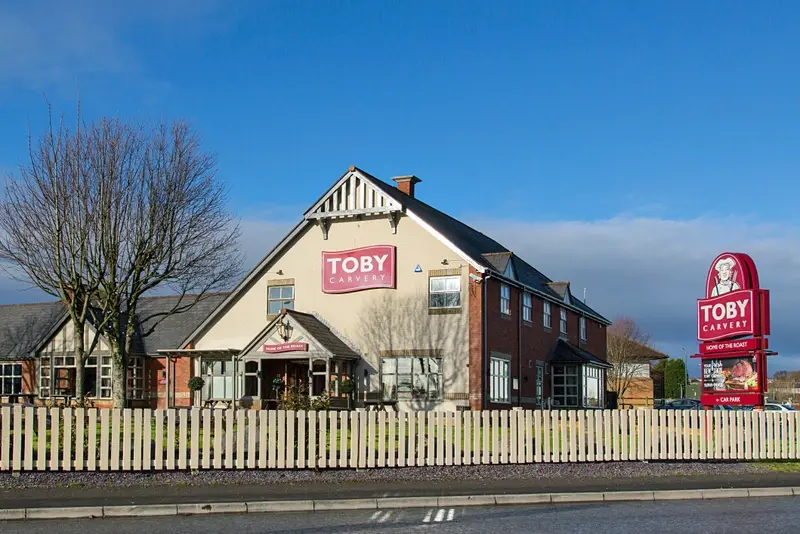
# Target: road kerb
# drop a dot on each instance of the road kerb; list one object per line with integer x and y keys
{"x": 467, "y": 500}
{"x": 12, "y": 514}
{"x": 589, "y": 496}
{"x": 69, "y": 512}
{"x": 147, "y": 510}
{"x": 770, "y": 492}
{"x": 523, "y": 498}
{"x": 725, "y": 493}
{"x": 628, "y": 496}
{"x": 388, "y": 503}
{"x": 673, "y": 495}
{"x": 280, "y": 506}
{"x": 345, "y": 504}
{"x": 212, "y": 508}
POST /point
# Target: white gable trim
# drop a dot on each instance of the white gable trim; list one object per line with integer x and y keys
{"x": 353, "y": 194}
{"x": 299, "y": 334}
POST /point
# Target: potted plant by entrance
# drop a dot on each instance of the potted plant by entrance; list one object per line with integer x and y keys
{"x": 195, "y": 385}
{"x": 348, "y": 387}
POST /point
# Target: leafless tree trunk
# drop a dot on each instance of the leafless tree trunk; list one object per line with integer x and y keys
{"x": 47, "y": 228}
{"x": 628, "y": 348}
{"x": 150, "y": 215}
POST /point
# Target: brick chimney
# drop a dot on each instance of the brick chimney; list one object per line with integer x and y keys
{"x": 406, "y": 184}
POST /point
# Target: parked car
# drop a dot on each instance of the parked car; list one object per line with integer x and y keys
{"x": 775, "y": 407}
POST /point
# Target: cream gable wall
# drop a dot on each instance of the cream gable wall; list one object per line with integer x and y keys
{"x": 360, "y": 316}
{"x": 63, "y": 340}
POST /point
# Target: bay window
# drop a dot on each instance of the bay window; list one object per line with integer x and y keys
{"x": 565, "y": 386}
{"x": 411, "y": 377}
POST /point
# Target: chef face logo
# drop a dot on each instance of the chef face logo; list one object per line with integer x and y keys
{"x": 725, "y": 280}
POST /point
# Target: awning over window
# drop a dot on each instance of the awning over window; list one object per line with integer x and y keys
{"x": 566, "y": 352}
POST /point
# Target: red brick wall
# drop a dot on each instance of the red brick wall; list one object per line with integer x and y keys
{"x": 179, "y": 375}
{"x": 475, "y": 342}
{"x": 537, "y": 342}
{"x": 30, "y": 378}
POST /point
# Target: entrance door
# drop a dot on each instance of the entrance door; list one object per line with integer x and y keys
{"x": 319, "y": 375}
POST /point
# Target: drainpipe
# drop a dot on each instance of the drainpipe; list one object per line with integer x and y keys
{"x": 484, "y": 342}
{"x": 520, "y": 298}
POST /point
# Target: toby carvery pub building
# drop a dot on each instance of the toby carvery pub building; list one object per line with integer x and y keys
{"x": 372, "y": 286}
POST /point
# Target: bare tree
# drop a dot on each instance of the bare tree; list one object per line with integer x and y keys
{"x": 628, "y": 349}
{"x": 151, "y": 217}
{"x": 400, "y": 325}
{"x": 47, "y": 228}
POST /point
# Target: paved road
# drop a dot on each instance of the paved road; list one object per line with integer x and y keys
{"x": 98, "y": 496}
{"x": 706, "y": 517}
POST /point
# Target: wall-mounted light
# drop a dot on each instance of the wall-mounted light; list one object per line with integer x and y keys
{"x": 445, "y": 262}
{"x": 285, "y": 329}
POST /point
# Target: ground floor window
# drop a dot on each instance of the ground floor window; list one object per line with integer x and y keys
{"x": 593, "y": 387}
{"x": 57, "y": 379}
{"x": 565, "y": 385}
{"x": 136, "y": 378}
{"x": 408, "y": 377}
{"x": 499, "y": 380}
{"x": 10, "y": 379}
{"x": 251, "y": 378}
{"x": 219, "y": 379}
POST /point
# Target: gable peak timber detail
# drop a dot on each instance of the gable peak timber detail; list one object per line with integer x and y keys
{"x": 353, "y": 196}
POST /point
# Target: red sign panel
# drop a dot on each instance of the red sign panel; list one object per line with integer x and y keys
{"x": 357, "y": 269}
{"x": 732, "y": 399}
{"x": 738, "y": 345}
{"x": 285, "y": 347}
{"x": 729, "y": 315}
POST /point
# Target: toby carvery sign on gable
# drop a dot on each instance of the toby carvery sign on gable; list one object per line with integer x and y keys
{"x": 732, "y": 322}
{"x": 357, "y": 269}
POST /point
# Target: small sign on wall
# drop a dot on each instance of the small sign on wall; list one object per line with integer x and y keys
{"x": 417, "y": 269}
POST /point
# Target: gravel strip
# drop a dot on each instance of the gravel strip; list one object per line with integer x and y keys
{"x": 410, "y": 474}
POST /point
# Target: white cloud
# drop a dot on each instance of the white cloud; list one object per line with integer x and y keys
{"x": 55, "y": 42}
{"x": 653, "y": 270}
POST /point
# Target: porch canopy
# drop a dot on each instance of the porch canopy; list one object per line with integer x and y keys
{"x": 578, "y": 377}
{"x": 300, "y": 349}
{"x": 171, "y": 354}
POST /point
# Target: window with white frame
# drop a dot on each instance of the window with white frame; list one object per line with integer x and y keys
{"x": 218, "y": 379}
{"x": 136, "y": 378}
{"x": 10, "y": 378}
{"x": 527, "y": 307}
{"x": 563, "y": 321}
{"x": 58, "y": 380}
{"x": 593, "y": 387}
{"x": 546, "y": 314}
{"x": 565, "y": 385}
{"x": 411, "y": 377}
{"x": 445, "y": 292}
{"x": 499, "y": 380}
{"x": 279, "y": 297}
{"x": 583, "y": 328}
{"x": 505, "y": 299}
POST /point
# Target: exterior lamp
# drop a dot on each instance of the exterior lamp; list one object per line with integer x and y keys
{"x": 285, "y": 329}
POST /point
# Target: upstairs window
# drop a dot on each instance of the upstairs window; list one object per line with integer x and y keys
{"x": 280, "y": 297}
{"x": 546, "y": 315}
{"x": 527, "y": 307}
{"x": 563, "y": 321}
{"x": 583, "y": 328}
{"x": 445, "y": 292}
{"x": 505, "y": 299}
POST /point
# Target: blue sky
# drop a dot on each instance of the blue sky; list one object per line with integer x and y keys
{"x": 621, "y": 145}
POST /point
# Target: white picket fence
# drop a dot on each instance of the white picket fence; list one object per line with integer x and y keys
{"x": 67, "y": 439}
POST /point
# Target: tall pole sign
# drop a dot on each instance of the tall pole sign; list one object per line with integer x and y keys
{"x": 732, "y": 327}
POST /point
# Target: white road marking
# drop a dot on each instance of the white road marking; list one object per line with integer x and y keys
{"x": 428, "y": 517}
{"x": 374, "y": 516}
{"x": 384, "y": 517}
{"x": 450, "y": 514}
{"x": 439, "y": 515}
